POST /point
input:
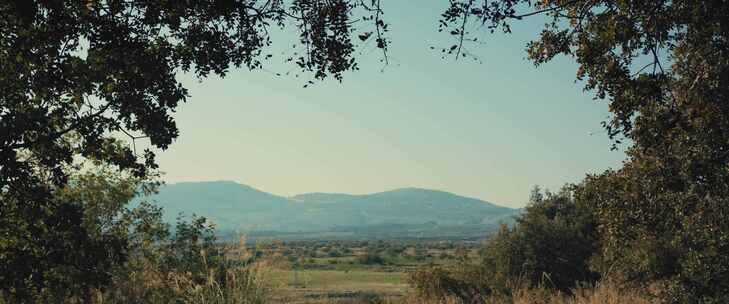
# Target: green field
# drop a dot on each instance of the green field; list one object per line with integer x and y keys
{"x": 352, "y": 271}
{"x": 313, "y": 286}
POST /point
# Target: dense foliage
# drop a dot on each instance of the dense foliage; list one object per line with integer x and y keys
{"x": 137, "y": 258}
{"x": 553, "y": 244}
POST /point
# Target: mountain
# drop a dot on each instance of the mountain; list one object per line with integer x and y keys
{"x": 407, "y": 212}
{"x": 231, "y": 206}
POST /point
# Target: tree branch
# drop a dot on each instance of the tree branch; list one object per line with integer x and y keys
{"x": 55, "y": 135}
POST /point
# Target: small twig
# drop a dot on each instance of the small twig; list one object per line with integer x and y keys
{"x": 543, "y": 10}
{"x": 463, "y": 28}
{"x": 643, "y": 68}
{"x": 380, "y": 41}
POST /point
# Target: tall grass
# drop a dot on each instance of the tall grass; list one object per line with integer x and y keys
{"x": 147, "y": 277}
{"x": 224, "y": 281}
{"x": 602, "y": 293}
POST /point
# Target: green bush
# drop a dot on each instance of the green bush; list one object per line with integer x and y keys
{"x": 124, "y": 253}
{"x": 552, "y": 246}
{"x": 662, "y": 229}
{"x": 371, "y": 259}
{"x": 439, "y": 284}
{"x": 552, "y": 243}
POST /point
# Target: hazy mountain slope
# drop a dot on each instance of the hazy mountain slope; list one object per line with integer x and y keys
{"x": 239, "y": 207}
{"x": 230, "y": 205}
{"x": 404, "y": 206}
{"x": 320, "y": 197}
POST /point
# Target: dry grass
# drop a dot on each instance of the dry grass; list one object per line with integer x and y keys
{"x": 331, "y": 286}
{"x": 606, "y": 293}
{"x": 602, "y": 293}
{"x": 147, "y": 283}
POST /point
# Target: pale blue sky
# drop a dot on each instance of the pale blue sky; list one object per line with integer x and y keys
{"x": 490, "y": 130}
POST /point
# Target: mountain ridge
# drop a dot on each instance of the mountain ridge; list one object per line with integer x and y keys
{"x": 238, "y": 207}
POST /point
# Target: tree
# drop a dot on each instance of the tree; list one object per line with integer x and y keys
{"x": 77, "y": 77}
{"x": 88, "y": 232}
{"x": 551, "y": 244}
{"x": 663, "y": 68}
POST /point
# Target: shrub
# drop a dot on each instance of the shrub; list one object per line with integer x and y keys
{"x": 371, "y": 259}
{"x": 552, "y": 243}
{"x": 128, "y": 254}
{"x": 665, "y": 229}
{"x": 189, "y": 267}
{"x": 439, "y": 284}
{"x": 551, "y": 246}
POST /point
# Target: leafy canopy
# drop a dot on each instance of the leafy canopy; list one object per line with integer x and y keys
{"x": 97, "y": 68}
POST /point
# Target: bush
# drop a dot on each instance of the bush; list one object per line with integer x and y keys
{"x": 552, "y": 246}
{"x": 371, "y": 259}
{"x": 440, "y": 285}
{"x": 665, "y": 229}
{"x": 189, "y": 267}
{"x": 130, "y": 256}
{"x": 552, "y": 243}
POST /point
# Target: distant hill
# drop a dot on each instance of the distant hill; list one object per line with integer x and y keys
{"x": 401, "y": 213}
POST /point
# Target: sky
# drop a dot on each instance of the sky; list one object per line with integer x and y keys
{"x": 489, "y": 130}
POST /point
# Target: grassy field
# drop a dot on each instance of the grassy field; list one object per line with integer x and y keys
{"x": 349, "y": 271}
{"x": 321, "y": 286}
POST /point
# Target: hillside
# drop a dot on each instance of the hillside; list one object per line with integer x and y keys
{"x": 407, "y": 212}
